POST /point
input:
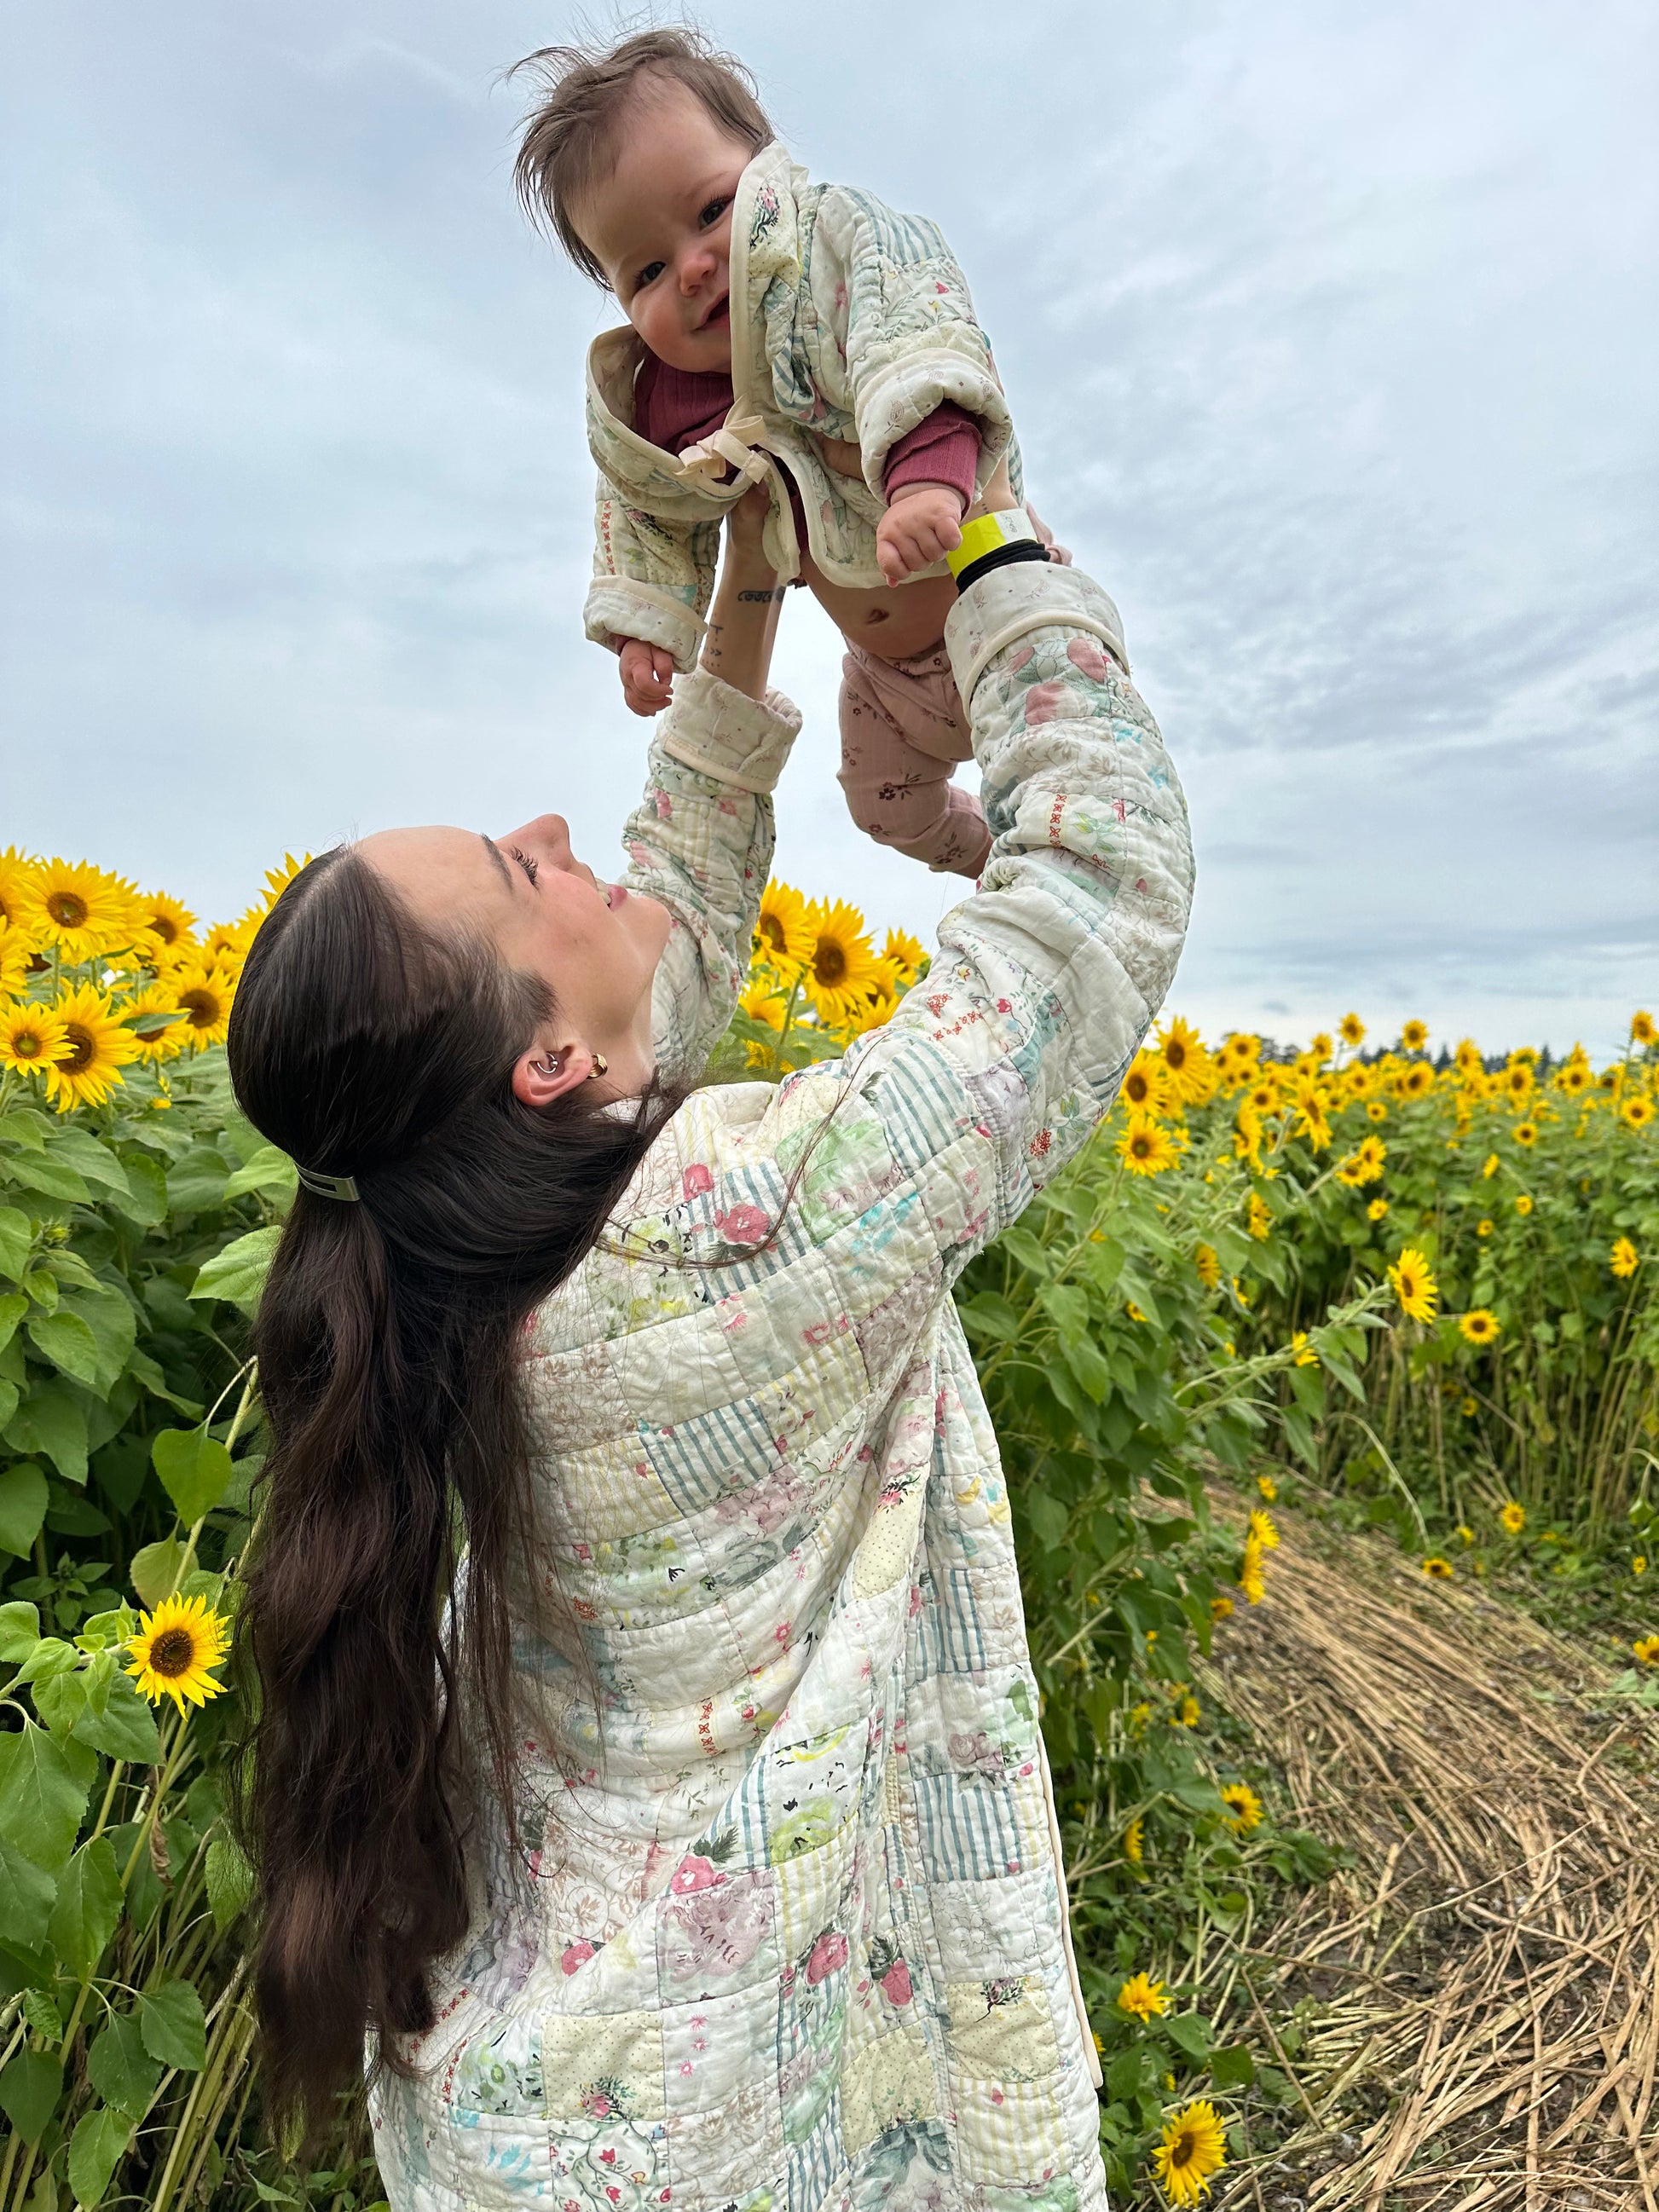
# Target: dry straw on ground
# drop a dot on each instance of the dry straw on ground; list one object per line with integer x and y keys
{"x": 1485, "y": 1978}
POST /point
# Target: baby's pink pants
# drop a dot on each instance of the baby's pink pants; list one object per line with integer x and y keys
{"x": 901, "y": 733}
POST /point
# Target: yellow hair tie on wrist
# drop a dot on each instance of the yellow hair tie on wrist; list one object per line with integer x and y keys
{"x": 990, "y": 534}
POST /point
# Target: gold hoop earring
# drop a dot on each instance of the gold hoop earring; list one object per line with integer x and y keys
{"x": 601, "y": 1065}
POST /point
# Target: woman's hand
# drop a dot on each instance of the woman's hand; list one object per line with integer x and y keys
{"x": 745, "y": 523}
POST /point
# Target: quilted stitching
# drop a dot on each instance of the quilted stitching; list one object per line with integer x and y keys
{"x": 796, "y": 1935}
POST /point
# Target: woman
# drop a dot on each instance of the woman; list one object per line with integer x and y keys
{"x": 697, "y": 1845}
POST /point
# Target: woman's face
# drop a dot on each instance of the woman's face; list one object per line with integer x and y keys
{"x": 596, "y": 946}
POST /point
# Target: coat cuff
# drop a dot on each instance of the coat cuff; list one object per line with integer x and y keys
{"x": 618, "y": 607}
{"x": 1002, "y": 607}
{"x": 724, "y": 733}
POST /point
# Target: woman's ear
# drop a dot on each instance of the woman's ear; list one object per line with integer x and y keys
{"x": 547, "y": 1071}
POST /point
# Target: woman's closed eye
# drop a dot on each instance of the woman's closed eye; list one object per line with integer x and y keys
{"x": 525, "y": 862}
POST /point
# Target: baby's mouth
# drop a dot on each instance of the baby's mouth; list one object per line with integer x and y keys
{"x": 718, "y": 316}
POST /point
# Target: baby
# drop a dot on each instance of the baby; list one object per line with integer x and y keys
{"x": 799, "y": 336}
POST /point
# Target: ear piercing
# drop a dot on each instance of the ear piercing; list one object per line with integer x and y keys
{"x": 554, "y": 1065}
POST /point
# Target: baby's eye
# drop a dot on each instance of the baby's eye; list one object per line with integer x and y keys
{"x": 714, "y": 210}
{"x": 648, "y": 274}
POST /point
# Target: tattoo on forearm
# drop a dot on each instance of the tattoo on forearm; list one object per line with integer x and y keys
{"x": 762, "y": 598}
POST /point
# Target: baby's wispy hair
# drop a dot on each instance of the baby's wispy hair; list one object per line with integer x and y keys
{"x": 571, "y": 133}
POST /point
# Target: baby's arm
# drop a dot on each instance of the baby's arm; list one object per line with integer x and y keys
{"x": 929, "y": 479}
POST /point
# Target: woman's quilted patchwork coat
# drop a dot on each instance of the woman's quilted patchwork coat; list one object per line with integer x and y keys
{"x": 850, "y": 324}
{"x": 796, "y": 1935}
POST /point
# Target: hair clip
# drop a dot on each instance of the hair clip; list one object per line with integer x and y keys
{"x": 327, "y": 1186}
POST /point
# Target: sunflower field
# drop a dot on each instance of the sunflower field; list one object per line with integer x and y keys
{"x": 1415, "y": 1286}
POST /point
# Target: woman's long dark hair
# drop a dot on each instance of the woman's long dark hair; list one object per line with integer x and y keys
{"x": 366, "y": 1044}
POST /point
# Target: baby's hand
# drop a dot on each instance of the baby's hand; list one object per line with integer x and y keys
{"x": 647, "y": 673}
{"x": 921, "y": 525}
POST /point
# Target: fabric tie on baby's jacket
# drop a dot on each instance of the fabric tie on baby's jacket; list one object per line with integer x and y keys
{"x": 735, "y": 445}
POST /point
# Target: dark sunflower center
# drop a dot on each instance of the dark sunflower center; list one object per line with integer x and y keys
{"x": 165, "y": 928}
{"x": 829, "y": 963}
{"x": 772, "y": 930}
{"x": 67, "y": 910}
{"x": 83, "y": 1049}
{"x": 172, "y": 1653}
{"x": 1176, "y": 1052}
{"x": 1182, "y": 2151}
{"x": 200, "y": 1008}
{"x": 27, "y": 1044}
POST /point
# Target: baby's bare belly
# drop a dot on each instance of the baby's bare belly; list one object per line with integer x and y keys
{"x": 891, "y": 624}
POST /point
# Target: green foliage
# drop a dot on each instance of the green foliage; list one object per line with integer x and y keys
{"x": 131, "y": 1236}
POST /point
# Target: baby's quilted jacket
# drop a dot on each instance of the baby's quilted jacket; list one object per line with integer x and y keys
{"x": 848, "y": 322}
{"x": 796, "y": 1935}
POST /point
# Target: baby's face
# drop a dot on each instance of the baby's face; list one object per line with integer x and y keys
{"x": 660, "y": 224}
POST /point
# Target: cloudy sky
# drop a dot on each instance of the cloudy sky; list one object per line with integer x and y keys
{"x": 1329, "y": 332}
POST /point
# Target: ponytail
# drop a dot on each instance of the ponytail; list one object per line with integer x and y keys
{"x": 366, "y": 1045}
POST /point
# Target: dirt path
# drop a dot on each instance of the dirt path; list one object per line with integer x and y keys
{"x": 1484, "y": 2026}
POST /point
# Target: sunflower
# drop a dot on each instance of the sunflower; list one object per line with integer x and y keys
{"x": 202, "y": 995}
{"x": 1240, "y": 1051}
{"x": 1145, "y": 1148}
{"x": 1251, "y": 1580}
{"x": 1516, "y": 1082}
{"x": 1263, "y": 1534}
{"x": 1208, "y": 1265}
{"x": 32, "y": 1038}
{"x": 909, "y": 954}
{"x": 225, "y": 946}
{"x": 1306, "y": 1357}
{"x": 165, "y": 1028}
{"x": 1188, "y": 1713}
{"x": 18, "y": 953}
{"x": 1483, "y": 1228}
{"x": 1185, "y": 1059}
{"x": 278, "y": 879}
{"x": 1469, "y": 1410}
{"x": 1259, "y": 1220}
{"x": 1574, "y": 1078}
{"x": 840, "y": 962}
{"x": 1646, "y": 1649}
{"x": 174, "y": 1650}
{"x": 1624, "y": 1259}
{"x": 1480, "y": 1326}
{"x": 1438, "y": 1570}
{"x": 1267, "y": 1487}
{"x": 167, "y": 930}
{"x": 79, "y": 911}
{"x": 1352, "y": 1030}
{"x": 877, "y": 1011}
{"x": 1220, "y": 1607}
{"x": 1465, "y": 1535}
{"x": 1377, "y": 1111}
{"x": 1638, "y": 1566}
{"x": 1147, "y": 1089}
{"x": 1142, "y": 1998}
{"x": 783, "y": 936}
{"x": 1349, "y": 1173}
{"x": 1523, "y": 1206}
{"x": 1417, "y": 1080}
{"x": 1525, "y": 1133}
{"x": 1262, "y": 1096}
{"x": 1512, "y": 1517}
{"x": 1376, "y": 1209}
{"x": 1193, "y": 2149}
{"x": 1134, "y": 1842}
{"x": 94, "y": 1050}
{"x": 1636, "y": 1111}
{"x": 17, "y": 872}
{"x": 1413, "y": 1036}
{"x": 1413, "y": 1284}
{"x": 1370, "y": 1156}
{"x": 1246, "y": 1807}
{"x": 763, "y": 1001}
{"x": 1641, "y": 1027}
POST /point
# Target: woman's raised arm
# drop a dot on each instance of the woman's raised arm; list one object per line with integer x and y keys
{"x": 701, "y": 839}
{"x": 994, "y": 1071}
